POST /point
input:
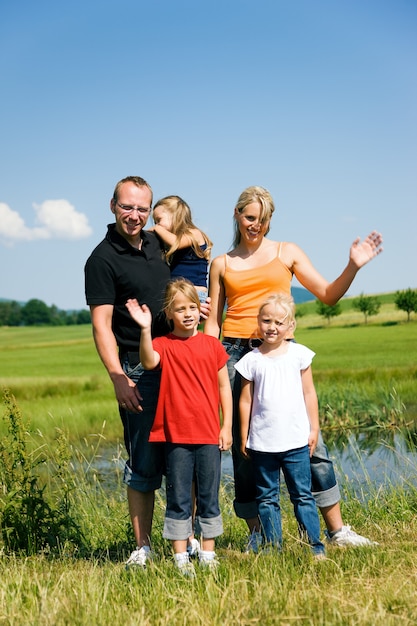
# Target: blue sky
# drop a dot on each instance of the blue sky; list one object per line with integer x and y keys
{"x": 314, "y": 99}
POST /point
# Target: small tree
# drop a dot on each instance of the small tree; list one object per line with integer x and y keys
{"x": 36, "y": 313}
{"x": 328, "y": 311}
{"x": 368, "y": 305}
{"x": 406, "y": 301}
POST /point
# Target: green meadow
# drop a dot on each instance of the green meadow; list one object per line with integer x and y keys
{"x": 59, "y": 381}
{"x": 64, "y": 521}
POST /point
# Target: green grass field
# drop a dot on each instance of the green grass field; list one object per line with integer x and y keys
{"x": 62, "y": 388}
{"x": 58, "y": 379}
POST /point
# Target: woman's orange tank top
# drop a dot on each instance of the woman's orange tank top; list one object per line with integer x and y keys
{"x": 245, "y": 291}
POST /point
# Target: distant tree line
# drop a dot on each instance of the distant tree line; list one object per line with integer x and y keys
{"x": 370, "y": 305}
{"x": 37, "y": 313}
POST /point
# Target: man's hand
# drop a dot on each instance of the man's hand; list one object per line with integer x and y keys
{"x": 127, "y": 393}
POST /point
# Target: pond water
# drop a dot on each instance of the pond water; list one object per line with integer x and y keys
{"x": 392, "y": 461}
{"x": 364, "y": 469}
{"x": 363, "y": 461}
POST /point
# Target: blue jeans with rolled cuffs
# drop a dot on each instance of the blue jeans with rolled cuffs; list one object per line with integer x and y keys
{"x": 185, "y": 463}
{"x": 324, "y": 485}
{"x": 295, "y": 465}
{"x": 145, "y": 465}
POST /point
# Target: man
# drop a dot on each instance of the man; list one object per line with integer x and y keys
{"x": 130, "y": 263}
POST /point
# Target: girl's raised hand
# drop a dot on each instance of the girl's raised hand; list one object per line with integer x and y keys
{"x": 140, "y": 313}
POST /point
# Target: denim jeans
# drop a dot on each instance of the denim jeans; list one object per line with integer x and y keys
{"x": 145, "y": 465}
{"x": 201, "y": 462}
{"x": 324, "y": 484}
{"x": 295, "y": 465}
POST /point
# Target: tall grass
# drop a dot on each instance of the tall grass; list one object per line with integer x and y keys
{"x": 79, "y": 578}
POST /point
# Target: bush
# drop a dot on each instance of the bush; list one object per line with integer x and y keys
{"x": 29, "y": 522}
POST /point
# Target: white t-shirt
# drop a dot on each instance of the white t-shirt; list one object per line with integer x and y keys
{"x": 279, "y": 420}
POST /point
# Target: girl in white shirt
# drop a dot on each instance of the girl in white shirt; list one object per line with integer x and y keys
{"x": 279, "y": 421}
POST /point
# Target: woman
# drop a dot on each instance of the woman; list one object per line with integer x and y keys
{"x": 243, "y": 278}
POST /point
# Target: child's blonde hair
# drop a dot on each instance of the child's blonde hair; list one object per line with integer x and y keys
{"x": 286, "y": 303}
{"x": 180, "y": 285}
{"x": 182, "y": 224}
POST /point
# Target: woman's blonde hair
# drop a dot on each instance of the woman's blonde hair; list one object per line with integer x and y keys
{"x": 286, "y": 303}
{"x": 182, "y": 224}
{"x": 249, "y": 195}
{"x": 180, "y": 285}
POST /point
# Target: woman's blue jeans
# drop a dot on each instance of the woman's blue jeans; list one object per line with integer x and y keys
{"x": 295, "y": 465}
{"x": 324, "y": 485}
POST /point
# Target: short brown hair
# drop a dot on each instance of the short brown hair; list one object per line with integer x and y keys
{"x": 136, "y": 180}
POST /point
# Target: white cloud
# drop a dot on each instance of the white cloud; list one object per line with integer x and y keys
{"x": 61, "y": 220}
{"x": 56, "y": 219}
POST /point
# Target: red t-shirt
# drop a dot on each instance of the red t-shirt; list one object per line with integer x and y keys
{"x": 188, "y": 403}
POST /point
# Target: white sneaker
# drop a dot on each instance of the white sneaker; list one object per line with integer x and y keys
{"x": 254, "y": 543}
{"x": 208, "y": 560}
{"x": 139, "y": 557}
{"x": 193, "y": 548}
{"x": 184, "y": 565}
{"x": 209, "y": 564}
{"x": 346, "y": 537}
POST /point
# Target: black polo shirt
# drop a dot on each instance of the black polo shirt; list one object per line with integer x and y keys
{"x": 116, "y": 271}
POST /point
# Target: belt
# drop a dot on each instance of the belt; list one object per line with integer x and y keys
{"x": 242, "y": 341}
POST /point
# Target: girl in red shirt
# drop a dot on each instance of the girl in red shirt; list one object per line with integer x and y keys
{"x": 194, "y": 384}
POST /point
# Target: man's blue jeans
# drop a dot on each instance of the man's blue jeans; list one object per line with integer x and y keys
{"x": 324, "y": 485}
{"x": 145, "y": 466}
{"x": 295, "y": 465}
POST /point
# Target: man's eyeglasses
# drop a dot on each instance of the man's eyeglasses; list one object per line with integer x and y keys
{"x": 127, "y": 208}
